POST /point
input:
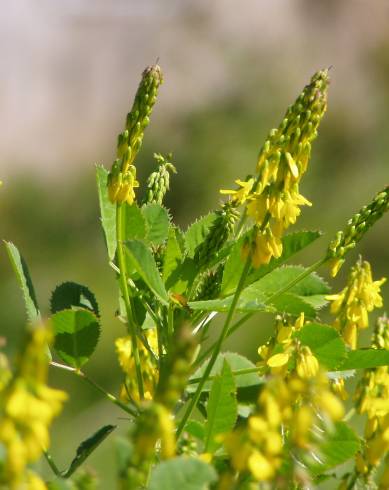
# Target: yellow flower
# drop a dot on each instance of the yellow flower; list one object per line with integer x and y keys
{"x": 307, "y": 366}
{"x": 27, "y": 409}
{"x": 260, "y": 467}
{"x": 240, "y": 195}
{"x": 148, "y": 367}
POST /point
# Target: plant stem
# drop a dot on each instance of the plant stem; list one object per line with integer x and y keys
{"x": 126, "y": 296}
{"x": 239, "y": 372}
{"x": 107, "y": 395}
{"x": 216, "y": 349}
{"x": 51, "y": 463}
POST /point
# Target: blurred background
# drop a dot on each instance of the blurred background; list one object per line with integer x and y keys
{"x": 68, "y": 74}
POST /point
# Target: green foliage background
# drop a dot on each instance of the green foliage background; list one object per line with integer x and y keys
{"x": 54, "y": 222}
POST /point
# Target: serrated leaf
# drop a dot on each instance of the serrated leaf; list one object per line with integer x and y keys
{"x": 157, "y": 222}
{"x": 70, "y": 295}
{"x": 76, "y": 333}
{"x": 173, "y": 255}
{"x": 236, "y": 363}
{"x": 143, "y": 262}
{"x": 291, "y": 244}
{"x": 182, "y": 473}
{"x": 134, "y": 223}
{"x": 364, "y": 359}
{"x": 24, "y": 279}
{"x": 107, "y": 211}
{"x": 197, "y": 232}
{"x": 222, "y": 408}
{"x": 87, "y": 447}
{"x": 338, "y": 447}
{"x": 325, "y": 343}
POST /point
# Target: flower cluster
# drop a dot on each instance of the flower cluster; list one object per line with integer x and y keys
{"x": 123, "y": 345}
{"x": 281, "y": 348}
{"x": 357, "y": 226}
{"x": 158, "y": 182}
{"x": 352, "y": 305}
{"x": 27, "y": 408}
{"x": 372, "y": 397}
{"x": 273, "y": 198}
{"x": 122, "y": 178}
{"x": 288, "y": 409}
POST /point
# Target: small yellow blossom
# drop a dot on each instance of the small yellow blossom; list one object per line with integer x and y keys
{"x": 307, "y": 366}
{"x": 240, "y": 195}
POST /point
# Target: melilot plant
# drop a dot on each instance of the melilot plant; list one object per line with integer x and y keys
{"x": 199, "y": 417}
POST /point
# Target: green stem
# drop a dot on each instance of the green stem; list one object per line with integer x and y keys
{"x": 170, "y": 321}
{"x": 51, "y": 463}
{"x": 216, "y": 349}
{"x": 239, "y": 372}
{"x": 107, "y": 395}
{"x": 126, "y": 296}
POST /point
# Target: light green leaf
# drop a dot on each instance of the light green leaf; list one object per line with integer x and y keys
{"x": 134, "y": 223}
{"x": 107, "y": 211}
{"x": 76, "y": 333}
{"x": 291, "y": 243}
{"x": 196, "y": 429}
{"x": 157, "y": 222}
{"x": 25, "y": 282}
{"x": 143, "y": 262}
{"x": 365, "y": 359}
{"x": 222, "y": 408}
{"x": 70, "y": 295}
{"x": 197, "y": 232}
{"x": 173, "y": 254}
{"x": 325, "y": 343}
{"x": 236, "y": 363}
{"x": 182, "y": 473}
{"x": 87, "y": 447}
{"x": 338, "y": 447}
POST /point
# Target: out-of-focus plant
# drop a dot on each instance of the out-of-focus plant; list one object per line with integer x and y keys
{"x": 199, "y": 417}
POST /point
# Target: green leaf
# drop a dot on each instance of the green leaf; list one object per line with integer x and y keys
{"x": 222, "y": 408}
{"x": 197, "y": 232}
{"x": 182, "y": 473}
{"x": 69, "y": 295}
{"x": 60, "y": 484}
{"x": 325, "y": 343}
{"x": 338, "y": 447}
{"x": 107, "y": 211}
{"x": 87, "y": 447}
{"x": 236, "y": 363}
{"x": 134, "y": 223}
{"x": 143, "y": 262}
{"x": 195, "y": 429}
{"x": 365, "y": 359}
{"x": 173, "y": 254}
{"x": 76, "y": 333}
{"x": 157, "y": 222}
{"x": 291, "y": 244}
{"x": 25, "y": 282}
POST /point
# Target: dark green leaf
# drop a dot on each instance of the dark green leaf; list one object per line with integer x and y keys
{"x": 365, "y": 359}
{"x": 134, "y": 223}
{"x": 236, "y": 363}
{"x": 107, "y": 211}
{"x": 69, "y": 295}
{"x": 76, "y": 333}
{"x": 222, "y": 408}
{"x": 143, "y": 262}
{"x": 157, "y": 222}
{"x": 87, "y": 447}
{"x": 25, "y": 283}
{"x": 325, "y": 343}
{"x": 197, "y": 232}
{"x": 182, "y": 473}
{"x": 338, "y": 447}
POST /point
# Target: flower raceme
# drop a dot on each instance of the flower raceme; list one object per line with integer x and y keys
{"x": 27, "y": 408}
{"x": 273, "y": 198}
{"x": 353, "y": 304}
